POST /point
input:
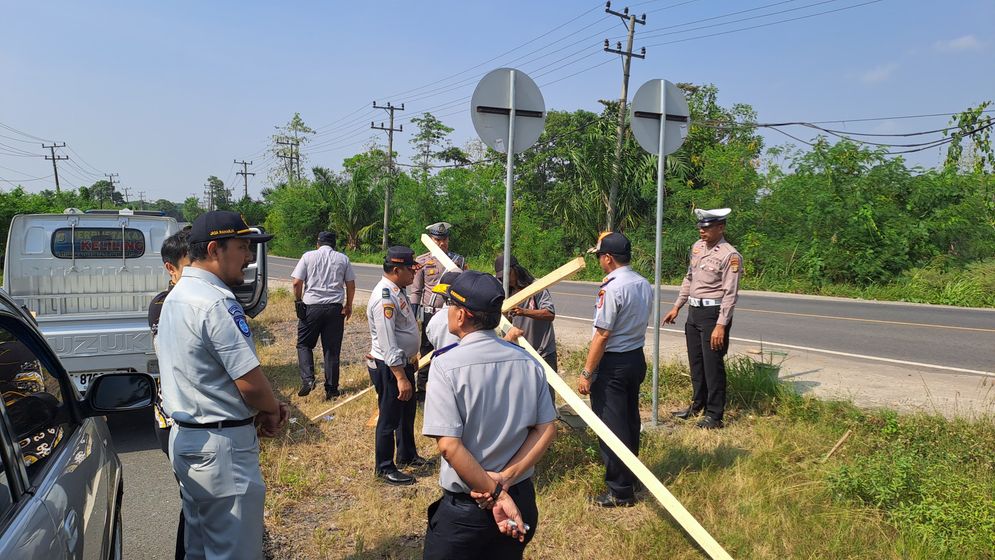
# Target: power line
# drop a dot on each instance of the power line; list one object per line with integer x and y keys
{"x": 390, "y": 108}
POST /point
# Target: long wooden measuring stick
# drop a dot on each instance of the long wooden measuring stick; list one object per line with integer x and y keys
{"x": 659, "y": 491}
{"x": 525, "y": 293}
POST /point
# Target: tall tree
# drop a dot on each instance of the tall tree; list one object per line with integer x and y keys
{"x": 220, "y": 196}
{"x": 191, "y": 209}
{"x": 288, "y": 146}
{"x": 431, "y": 143}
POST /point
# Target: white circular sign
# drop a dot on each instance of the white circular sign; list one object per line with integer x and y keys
{"x": 491, "y": 107}
{"x": 660, "y": 103}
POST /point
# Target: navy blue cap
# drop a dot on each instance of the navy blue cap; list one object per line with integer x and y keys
{"x": 613, "y": 243}
{"x": 400, "y": 255}
{"x": 222, "y": 224}
{"x": 327, "y": 238}
{"x": 477, "y": 291}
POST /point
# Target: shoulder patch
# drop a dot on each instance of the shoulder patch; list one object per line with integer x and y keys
{"x": 696, "y": 249}
{"x": 734, "y": 263}
{"x": 601, "y": 297}
{"x": 385, "y": 293}
{"x": 388, "y": 310}
{"x": 239, "y": 318}
{"x": 444, "y": 349}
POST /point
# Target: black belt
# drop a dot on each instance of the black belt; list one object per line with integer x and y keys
{"x": 215, "y": 425}
{"x": 464, "y": 497}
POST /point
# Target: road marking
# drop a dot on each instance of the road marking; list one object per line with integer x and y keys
{"x": 903, "y": 323}
{"x": 825, "y": 351}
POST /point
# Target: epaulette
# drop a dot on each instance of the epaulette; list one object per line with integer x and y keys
{"x": 444, "y": 349}
{"x": 386, "y": 293}
{"x": 606, "y": 282}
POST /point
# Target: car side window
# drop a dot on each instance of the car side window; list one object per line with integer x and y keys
{"x": 6, "y": 486}
{"x": 34, "y": 402}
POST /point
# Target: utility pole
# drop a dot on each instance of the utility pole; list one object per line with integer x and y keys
{"x": 141, "y": 200}
{"x": 245, "y": 174}
{"x": 127, "y": 193}
{"x": 630, "y": 24}
{"x": 208, "y": 197}
{"x": 55, "y": 158}
{"x": 390, "y": 162}
{"x": 110, "y": 179}
{"x": 293, "y": 157}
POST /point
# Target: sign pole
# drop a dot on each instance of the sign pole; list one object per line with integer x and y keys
{"x": 661, "y": 191}
{"x": 509, "y": 183}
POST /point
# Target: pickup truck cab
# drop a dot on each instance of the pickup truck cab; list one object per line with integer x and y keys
{"x": 88, "y": 278}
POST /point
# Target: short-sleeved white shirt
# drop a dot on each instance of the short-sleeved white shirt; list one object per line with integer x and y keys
{"x": 437, "y": 330}
{"x": 324, "y": 272}
{"x": 394, "y": 334}
{"x": 204, "y": 345}
{"x": 488, "y": 392}
{"x": 623, "y": 308}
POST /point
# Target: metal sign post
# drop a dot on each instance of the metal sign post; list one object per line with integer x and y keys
{"x": 660, "y": 121}
{"x": 508, "y": 113}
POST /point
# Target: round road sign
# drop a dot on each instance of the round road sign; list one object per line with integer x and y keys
{"x": 499, "y": 93}
{"x": 660, "y": 103}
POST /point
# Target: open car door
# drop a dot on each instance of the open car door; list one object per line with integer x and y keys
{"x": 252, "y": 293}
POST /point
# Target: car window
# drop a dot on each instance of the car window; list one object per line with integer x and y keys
{"x": 34, "y": 402}
{"x": 6, "y": 492}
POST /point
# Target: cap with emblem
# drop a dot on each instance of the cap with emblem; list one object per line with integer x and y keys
{"x": 400, "y": 255}
{"x": 476, "y": 291}
{"x": 709, "y": 217}
{"x": 327, "y": 238}
{"x": 445, "y": 280}
{"x": 613, "y": 243}
{"x": 222, "y": 224}
{"x": 439, "y": 229}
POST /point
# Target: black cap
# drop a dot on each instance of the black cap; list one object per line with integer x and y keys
{"x": 477, "y": 291}
{"x": 400, "y": 255}
{"x": 499, "y": 264}
{"x": 327, "y": 238}
{"x": 222, "y": 224}
{"x": 613, "y": 243}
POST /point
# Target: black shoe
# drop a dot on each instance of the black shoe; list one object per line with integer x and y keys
{"x": 609, "y": 500}
{"x": 687, "y": 413}
{"x": 417, "y": 462}
{"x": 333, "y": 394}
{"x": 396, "y": 477}
{"x": 709, "y": 423}
{"x": 305, "y": 389}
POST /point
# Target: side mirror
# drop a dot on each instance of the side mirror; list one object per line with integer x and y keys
{"x": 119, "y": 392}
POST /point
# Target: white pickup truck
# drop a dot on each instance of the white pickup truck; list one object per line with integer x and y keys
{"x": 88, "y": 278}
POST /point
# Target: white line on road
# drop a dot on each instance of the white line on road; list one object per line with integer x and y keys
{"x": 824, "y": 351}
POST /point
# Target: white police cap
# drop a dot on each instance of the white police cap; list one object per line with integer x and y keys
{"x": 709, "y": 217}
{"x": 439, "y": 229}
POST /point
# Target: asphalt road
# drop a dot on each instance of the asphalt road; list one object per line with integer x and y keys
{"x": 937, "y": 337}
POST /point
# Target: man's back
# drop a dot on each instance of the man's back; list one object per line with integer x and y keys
{"x": 324, "y": 272}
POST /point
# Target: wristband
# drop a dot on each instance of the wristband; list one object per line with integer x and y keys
{"x": 497, "y": 491}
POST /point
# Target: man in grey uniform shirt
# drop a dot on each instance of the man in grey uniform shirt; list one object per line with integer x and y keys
{"x": 615, "y": 365}
{"x": 534, "y": 318}
{"x": 214, "y": 389}
{"x": 324, "y": 285}
{"x": 488, "y": 406}
{"x": 395, "y": 342}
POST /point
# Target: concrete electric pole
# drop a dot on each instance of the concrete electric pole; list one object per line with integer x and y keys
{"x": 390, "y": 163}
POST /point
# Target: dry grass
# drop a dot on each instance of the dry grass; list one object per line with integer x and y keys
{"x": 758, "y": 485}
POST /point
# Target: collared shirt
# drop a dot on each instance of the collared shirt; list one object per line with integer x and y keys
{"x": 428, "y": 277}
{"x": 324, "y": 272}
{"x": 713, "y": 274}
{"x": 437, "y": 329}
{"x": 393, "y": 328}
{"x": 623, "y": 308}
{"x": 540, "y": 334}
{"x": 155, "y": 311}
{"x": 204, "y": 345}
{"x": 489, "y": 393}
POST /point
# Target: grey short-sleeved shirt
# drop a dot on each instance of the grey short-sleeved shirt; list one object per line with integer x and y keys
{"x": 324, "y": 272}
{"x": 437, "y": 330}
{"x": 623, "y": 308}
{"x": 489, "y": 393}
{"x": 204, "y": 345}
{"x": 394, "y": 333}
{"x": 540, "y": 334}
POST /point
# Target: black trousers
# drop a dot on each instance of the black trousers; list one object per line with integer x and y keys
{"x": 426, "y": 346}
{"x": 615, "y": 399}
{"x": 457, "y": 528}
{"x": 396, "y": 424}
{"x": 162, "y": 434}
{"x": 708, "y": 368}
{"x": 327, "y": 322}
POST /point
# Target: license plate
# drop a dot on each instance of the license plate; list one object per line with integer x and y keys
{"x": 83, "y": 380}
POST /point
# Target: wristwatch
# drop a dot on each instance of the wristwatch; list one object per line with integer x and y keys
{"x": 586, "y": 374}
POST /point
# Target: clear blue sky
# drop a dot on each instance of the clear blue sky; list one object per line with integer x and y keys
{"x": 168, "y": 93}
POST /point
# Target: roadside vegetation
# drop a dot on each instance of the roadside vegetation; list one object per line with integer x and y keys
{"x": 899, "y": 486}
{"x": 833, "y": 218}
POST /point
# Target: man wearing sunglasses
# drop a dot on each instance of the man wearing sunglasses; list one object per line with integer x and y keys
{"x": 711, "y": 288}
